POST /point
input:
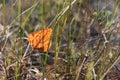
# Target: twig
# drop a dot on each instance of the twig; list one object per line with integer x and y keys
{"x": 94, "y": 74}
{"x": 26, "y": 51}
{"x": 106, "y": 41}
{"x": 80, "y": 68}
{"x": 81, "y": 65}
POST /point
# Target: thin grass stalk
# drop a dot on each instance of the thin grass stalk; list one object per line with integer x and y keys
{"x": 80, "y": 68}
{"x": 25, "y": 11}
{"x": 102, "y": 77}
{"x": 108, "y": 24}
{"x": 61, "y": 13}
{"x": 19, "y": 33}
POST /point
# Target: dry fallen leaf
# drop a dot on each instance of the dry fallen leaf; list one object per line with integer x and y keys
{"x": 41, "y": 39}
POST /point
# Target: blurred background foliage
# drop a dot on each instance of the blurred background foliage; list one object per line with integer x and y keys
{"x": 86, "y": 37}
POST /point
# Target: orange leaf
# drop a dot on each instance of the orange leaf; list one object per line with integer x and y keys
{"x": 41, "y": 39}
